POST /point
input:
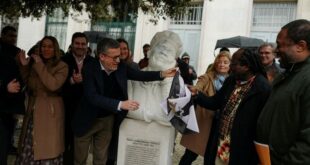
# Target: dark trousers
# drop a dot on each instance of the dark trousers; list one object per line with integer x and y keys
{"x": 69, "y": 147}
{"x": 68, "y": 156}
{"x": 188, "y": 157}
{"x": 99, "y": 135}
{"x": 112, "y": 157}
{"x": 6, "y": 132}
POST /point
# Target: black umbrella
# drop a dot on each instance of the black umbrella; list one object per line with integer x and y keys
{"x": 238, "y": 42}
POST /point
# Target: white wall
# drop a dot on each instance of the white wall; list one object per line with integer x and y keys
{"x": 78, "y": 23}
{"x": 30, "y": 31}
{"x": 222, "y": 19}
{"x": 145, "y": 31}
{"x": 303, "y": 9}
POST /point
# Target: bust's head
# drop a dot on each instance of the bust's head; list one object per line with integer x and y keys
{"x": 166, "y": 46}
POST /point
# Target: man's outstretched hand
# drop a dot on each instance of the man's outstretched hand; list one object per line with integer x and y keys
{"x": 193, "y": 90}
{"x": 169, "y": 72}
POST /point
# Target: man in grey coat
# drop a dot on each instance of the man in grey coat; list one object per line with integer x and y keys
{"x": 284, "y": 123}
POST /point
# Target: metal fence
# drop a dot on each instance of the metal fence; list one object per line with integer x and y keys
{"x": 191, "y": 16}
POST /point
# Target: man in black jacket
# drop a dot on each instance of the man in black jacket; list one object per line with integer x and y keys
{"x": 284, "y": 124}
{"x": 11, "y": 95}
{"x": 73, "y": 87}
{"x": 105, "y": 101}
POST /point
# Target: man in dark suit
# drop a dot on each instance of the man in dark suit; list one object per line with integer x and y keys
{"x": 105, "y": 101}
{"x": 11, "y": 95}
{"x": 73, "y": 88}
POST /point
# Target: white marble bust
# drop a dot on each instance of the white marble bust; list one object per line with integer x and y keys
{"x": 166, "y": 46}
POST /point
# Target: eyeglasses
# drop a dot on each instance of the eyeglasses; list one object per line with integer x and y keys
{"x": 116, "y": 58}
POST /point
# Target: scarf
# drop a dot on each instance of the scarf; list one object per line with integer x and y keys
{"x": 228, "y": 116}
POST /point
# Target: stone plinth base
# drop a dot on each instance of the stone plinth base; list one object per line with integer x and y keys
{"x": 142, "y": 143}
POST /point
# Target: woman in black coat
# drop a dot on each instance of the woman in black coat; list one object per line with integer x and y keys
{"x": 240, "y": 102}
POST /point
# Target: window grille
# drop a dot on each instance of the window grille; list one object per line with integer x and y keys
{"x": 191, "y": 16}
{"x": 56, "y": 26}
{"x": 125, "y": 30}
{"x": 268, "y": 18}
{"x": 9, "y": 22}
{"x": 272, "y": 16}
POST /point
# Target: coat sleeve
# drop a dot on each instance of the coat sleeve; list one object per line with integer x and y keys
{"x": 143, "y": 75}
{"x": 216, "y": 101}
{"x": 24, "y": 71}
{"x": 92, "y": 92}
{"x": 194, "y": 74}
{"x": 204, "y": 84}
{"x": 52, "y": 81}
{"x": 3, "y": 88}
{"x": 299, "y": 152}
{"x": 212, "y": 103}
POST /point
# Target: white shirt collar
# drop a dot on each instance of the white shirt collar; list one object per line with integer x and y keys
{"x": 102, "y": 68}
{"x": 76, "y": 59}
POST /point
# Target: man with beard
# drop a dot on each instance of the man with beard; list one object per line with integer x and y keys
{"x": 284, "y": 123}
{"x": 73, "y": 88}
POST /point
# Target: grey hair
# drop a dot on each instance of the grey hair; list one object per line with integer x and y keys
{"x": 266, "y": 44}
{"x": 105, "y": 44}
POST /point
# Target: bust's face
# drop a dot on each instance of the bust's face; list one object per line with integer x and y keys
{"x": 162, "y": 56}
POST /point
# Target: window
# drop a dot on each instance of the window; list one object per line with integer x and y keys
{"x": 191, "y": 16}
{"x": 56, "y": 26}
{"x": 125, "y": 30}
{"x": 9, "y": 22}
{"x": 268, "y": 18}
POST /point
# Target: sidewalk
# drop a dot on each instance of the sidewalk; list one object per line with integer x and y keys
{"x": 179, "y": 151}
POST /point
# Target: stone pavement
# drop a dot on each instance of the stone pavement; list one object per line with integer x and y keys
{"x": 179, "y": 150}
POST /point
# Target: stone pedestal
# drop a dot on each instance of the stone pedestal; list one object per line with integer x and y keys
{"x": 142, "y": 143}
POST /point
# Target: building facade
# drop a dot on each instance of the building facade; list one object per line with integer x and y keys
{"x": 203, "y": 23}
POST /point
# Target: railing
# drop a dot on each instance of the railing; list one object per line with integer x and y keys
{"x": 272, "y": 15}
{"x": 125, "y": 30}
{"x": 191, "y": 16}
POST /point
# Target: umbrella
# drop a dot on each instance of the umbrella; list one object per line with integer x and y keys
{"x": 238, "y": 42}
{"x": 96, "y": 36}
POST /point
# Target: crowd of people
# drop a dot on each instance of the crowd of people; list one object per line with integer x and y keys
{"x": 71, "y": 101}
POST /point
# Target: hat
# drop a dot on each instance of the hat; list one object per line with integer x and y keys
{"x": 185, "y": 56}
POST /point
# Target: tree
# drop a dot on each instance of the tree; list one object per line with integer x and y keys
{"x": 97, "y": 9}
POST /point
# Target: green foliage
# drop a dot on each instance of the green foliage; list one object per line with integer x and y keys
{"x": 97, "y": 9}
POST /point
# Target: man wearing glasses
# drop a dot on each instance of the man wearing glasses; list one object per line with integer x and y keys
{"x": 268, "y": 55}
{"x": 105, "y": 101}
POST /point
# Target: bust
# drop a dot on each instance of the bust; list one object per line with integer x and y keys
{"x": 166, "y": 46}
